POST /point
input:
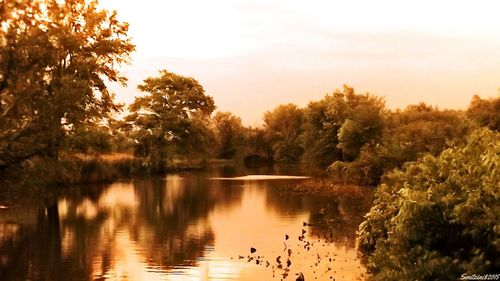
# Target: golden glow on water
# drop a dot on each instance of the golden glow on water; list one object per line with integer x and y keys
{"x": 186, "y": 228}
{"x": 86, "y": 209}
{"x": 117, "y": 196}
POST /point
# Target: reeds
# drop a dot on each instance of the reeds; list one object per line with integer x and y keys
{"x": 329, "y": 187}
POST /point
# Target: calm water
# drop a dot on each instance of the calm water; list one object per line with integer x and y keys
{"x": 186, "y": 226}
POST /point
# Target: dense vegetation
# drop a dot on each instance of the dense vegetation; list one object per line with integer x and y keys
{"x": 170, "y": 119}
{"x": 436, "y": 209}
{"x": 55, "y": 59}
{"x": 437, "y": 218}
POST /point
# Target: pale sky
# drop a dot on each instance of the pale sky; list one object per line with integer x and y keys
{"x": 253, "y": 55}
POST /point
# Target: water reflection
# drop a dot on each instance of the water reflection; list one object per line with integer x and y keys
{"x": 179, "y": 227}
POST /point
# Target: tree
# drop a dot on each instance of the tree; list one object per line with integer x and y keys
{"x": 486, "y": 112}
{"x": 283, "y": 126}
{"x": 422, "y": 128}
{"x": 407, "y": 135}
{"x": 339, "y": 125}
{"x": 362, "y": 117}
{"x": 320, "y": 134}
{"x": 90, "y": 140}
{"x": 229, "y": 134}
{"x": 259, "y": 146}
{"x": 437, "y": 218}
{"x": 55, "y": 57}
{"x": 171, "y": 118}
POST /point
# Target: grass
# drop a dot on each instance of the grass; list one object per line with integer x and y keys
{"x": 329, "y": 187}
{"x": 74, "y": 168}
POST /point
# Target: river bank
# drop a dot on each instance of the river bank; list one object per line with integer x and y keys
{"x": 39, "y": 178}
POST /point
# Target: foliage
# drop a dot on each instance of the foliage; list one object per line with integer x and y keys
{"x": 172, "y": 118}
{"x": 437, "y": 218}
{"x": 422, "y": 128}
{"x": 229, "y": 134}
{"x": 55, "y": 57}
{"x": 320, "y": 134}
{"x": 38, "y": 173}
{"x": 363, "y": 120}
{"x": 99, "y": 138}
{"x": 283, "y": 127}
{"x": 259, "y": 147}
{"x": 486, "y": 112}
{"x": 90, "y": 140}
{"x": 337, "y": 126}
{"x": 407, "y": 135}
{"x": 365, "y": 170}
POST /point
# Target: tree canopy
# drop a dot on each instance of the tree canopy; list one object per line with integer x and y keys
{"x": 171, "y": 116}
{"x": 229, "y": 134}
{"x": 405, "y": 136}
{"x": 283, "y": 126}
{"x": 486, "y": 112}
{"x": 337, "y": 127}
{"x": 362, "y": 118}
{"x": 55, "y": 59}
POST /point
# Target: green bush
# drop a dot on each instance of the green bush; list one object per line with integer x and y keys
{"x": 408, "y": 135}
{"x": 438, "y": 217}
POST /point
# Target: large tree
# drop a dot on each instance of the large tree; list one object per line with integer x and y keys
{"x": 55, "y": 58}
{"x": 320, "y": 134}
{"x": 283, "y": 127}
{"x": 339, "y": 125}
{"x": 362, "y": 118}
{"x": 172, "y": 117}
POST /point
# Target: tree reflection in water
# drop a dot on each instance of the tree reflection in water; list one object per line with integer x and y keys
{"x": 333, "y": 218}
{"x": 338, "y": 220}
{"x": 157, "y": 228}
{"x": 91, "y": 232}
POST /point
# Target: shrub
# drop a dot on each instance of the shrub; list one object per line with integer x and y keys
{"x": 408, "y": 135}
{"x": 438, "y": 217}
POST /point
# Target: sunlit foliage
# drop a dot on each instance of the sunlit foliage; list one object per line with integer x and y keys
{"x": 55, "y": 57}
{"x": 437, "y": 218}
{"x": 172, "y": 118}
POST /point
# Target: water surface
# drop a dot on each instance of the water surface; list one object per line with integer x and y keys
{"x": 186, "y": 226}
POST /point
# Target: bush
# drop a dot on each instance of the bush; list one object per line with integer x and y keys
{"x": 365, "y": 170}
{"x": 408, "y": 135}
{"x": 37, "y": 173}
{"x": 437, "y": 218}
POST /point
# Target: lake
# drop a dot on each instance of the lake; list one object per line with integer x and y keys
{"x": 184, "y": 226}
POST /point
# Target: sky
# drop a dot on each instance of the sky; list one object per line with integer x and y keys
{"x": 252, "y": 55}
